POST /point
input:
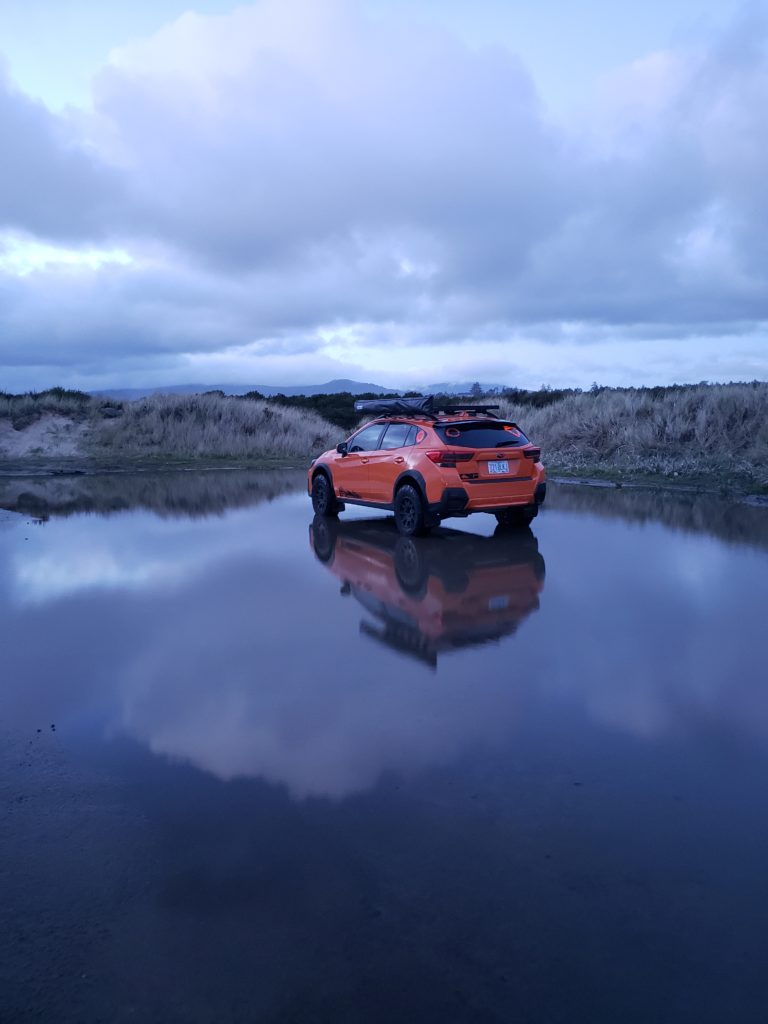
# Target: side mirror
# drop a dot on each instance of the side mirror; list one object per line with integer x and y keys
{"x": 342, "y": 448}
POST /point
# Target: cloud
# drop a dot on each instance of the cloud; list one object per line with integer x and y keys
{"x": 50, "y": 186}
{"x": 297, "y": 171}
{"x": 376, "y": 137}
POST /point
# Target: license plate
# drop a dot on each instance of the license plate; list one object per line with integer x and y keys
{"x": 498, "y": 467}
{"x": 498, "y": 604}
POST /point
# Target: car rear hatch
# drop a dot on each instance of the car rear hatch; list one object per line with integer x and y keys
{"x": 494, "y": 460}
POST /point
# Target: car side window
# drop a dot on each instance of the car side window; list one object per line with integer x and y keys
{"x": 365, "y": 440}
{"x": 396, "y": 436}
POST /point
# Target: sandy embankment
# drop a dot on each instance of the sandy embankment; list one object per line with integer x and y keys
{"x": 51, "y": 436}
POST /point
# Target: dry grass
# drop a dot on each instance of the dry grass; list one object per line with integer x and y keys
{"x": 24, "y": 410}
{"x": 199, "y": 426}
{"x": 707, "y": 429}
{"x": 719, "y": 430}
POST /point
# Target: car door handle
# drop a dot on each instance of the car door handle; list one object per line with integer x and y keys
{"x": 399, "y": 459}
{"x": 364, "y": 460}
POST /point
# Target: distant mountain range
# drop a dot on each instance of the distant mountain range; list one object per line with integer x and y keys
{"x": 331, "y": 387}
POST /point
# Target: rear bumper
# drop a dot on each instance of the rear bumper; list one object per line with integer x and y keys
{"x": 453, "y": 502}
{"x": 458, "y": 501}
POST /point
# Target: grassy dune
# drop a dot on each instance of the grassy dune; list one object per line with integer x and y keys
{"x": 163, "y": 426}
{"x": 706, "y": 430}
{"x": 213, "y": 427}
{"x": 714, "y": 433}
{"x": 24, "y": 410}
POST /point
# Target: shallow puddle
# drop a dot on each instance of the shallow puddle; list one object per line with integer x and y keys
{"x": 260, "y": 768}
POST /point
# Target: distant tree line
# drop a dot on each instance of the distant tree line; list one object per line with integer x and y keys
{"x": 337, "y": 408}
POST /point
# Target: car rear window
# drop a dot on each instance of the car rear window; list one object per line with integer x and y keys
{"x": 481, "y": 435}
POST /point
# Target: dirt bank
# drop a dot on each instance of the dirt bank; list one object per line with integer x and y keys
{"x": 51, "y": 436}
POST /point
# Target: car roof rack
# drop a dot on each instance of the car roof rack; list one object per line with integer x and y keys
{"x": 422, "y": 407}
{"x": 471, "y": 407}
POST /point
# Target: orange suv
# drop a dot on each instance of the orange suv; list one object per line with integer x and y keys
{"x": 428, "y": 464}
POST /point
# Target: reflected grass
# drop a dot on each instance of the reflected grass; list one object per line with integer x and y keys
{"x": 731, "y": 521}
{"x": 169, "y": 494}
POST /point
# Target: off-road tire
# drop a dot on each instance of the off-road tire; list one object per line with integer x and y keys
{"x": 516, "y": 518}
{"x": 324, "y": 500}
{"x": 410, "y": 515}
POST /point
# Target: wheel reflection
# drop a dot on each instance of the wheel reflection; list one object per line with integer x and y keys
{"x": 429, "y": 595}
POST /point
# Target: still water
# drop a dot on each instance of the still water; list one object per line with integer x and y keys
{"x": 256, "y": 768}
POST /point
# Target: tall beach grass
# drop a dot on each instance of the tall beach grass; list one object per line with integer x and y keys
{"x": 703, "y": 429}
{"x": 211, "y": 426}
{"x": 24, "y": 410}
{"x": 719, "y": 431}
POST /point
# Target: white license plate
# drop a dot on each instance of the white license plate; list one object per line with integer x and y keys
{"x": 498, "y": 467}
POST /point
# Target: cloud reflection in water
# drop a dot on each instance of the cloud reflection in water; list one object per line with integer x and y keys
{"x": 253, "y": 664}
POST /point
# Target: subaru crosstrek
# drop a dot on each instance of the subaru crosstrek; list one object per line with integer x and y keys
{"x": 428, "y": 464}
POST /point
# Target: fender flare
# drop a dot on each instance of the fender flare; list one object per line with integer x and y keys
{"x": 326, "y": 471}
{"x": 323, "y": 468}
{"x": 415, "y": 476}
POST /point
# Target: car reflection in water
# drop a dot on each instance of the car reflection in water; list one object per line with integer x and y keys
{"x": 437, "y": 593}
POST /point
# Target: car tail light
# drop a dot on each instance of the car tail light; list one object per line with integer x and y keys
{"x": 448, "y": 458}
{"x": 534, "y": 454}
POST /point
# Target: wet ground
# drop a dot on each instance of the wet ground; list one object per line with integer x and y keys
{"x": 256, "y": 768}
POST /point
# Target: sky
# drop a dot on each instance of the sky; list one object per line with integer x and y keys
{"x": 290, "y": 191}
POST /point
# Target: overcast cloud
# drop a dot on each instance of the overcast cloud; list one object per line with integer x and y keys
{"x": 297, "y": 190}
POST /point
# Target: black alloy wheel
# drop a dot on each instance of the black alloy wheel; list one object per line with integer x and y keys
{"x": 409, "y": 512}
{"x": 323, "y": 499}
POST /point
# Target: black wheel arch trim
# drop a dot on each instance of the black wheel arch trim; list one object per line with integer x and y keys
{"x": 321, "y": 467}
{"x": 414, "y": 476}
{"x": 326, "y": 471}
